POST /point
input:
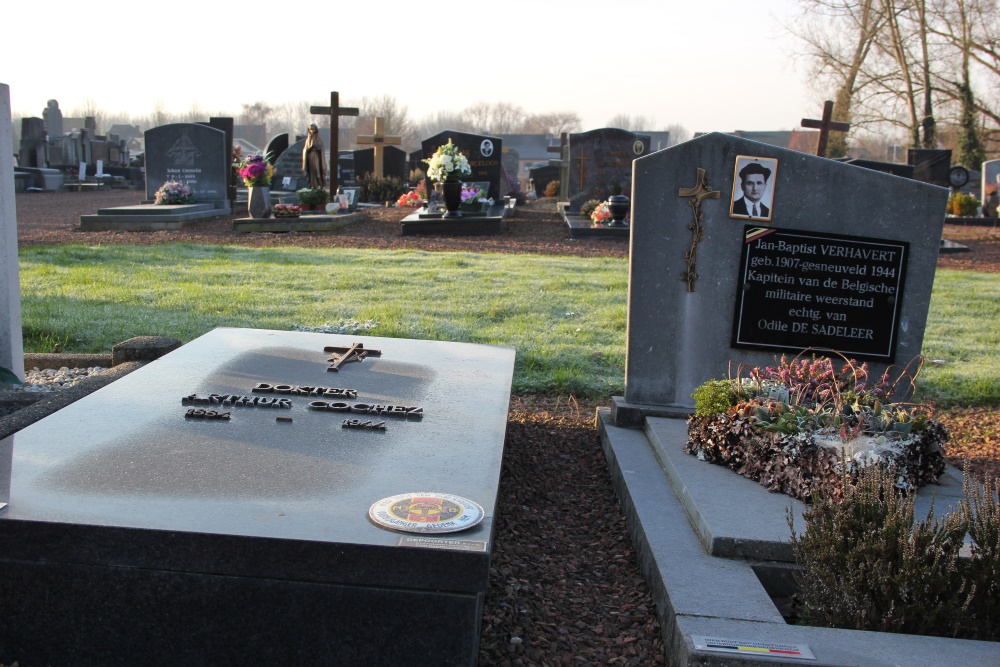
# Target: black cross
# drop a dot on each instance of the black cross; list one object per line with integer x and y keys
{"x": 343, "y": 353}
{"x": 825, "y": 126}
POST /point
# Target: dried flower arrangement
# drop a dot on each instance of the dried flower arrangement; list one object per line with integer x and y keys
{"x": 797, "y": 427}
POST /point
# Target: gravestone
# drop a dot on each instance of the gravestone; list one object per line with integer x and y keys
{"x": 988, "y": 180}
{"x": 289, "y": 165}
{"x": 53, "y": 120}
{"x": 601, "y": 159}
{"x": 214, "y": 506}
{"x": 190, "y": 153}
{"x": 346, "y": 169}
{"x": 542, "y": 173}
{"x": 32, "y": 150}
{"x": 511, "y": 161}
{"x": 11, "y": 346}
{"x": 393, "y": 162}
{"x": 930, "y": 165}
{"x": 849, "y": 273}
{"x": 276, "y": 147}
{"x": 227, "y": 125}
{"x": 483, "y": 153}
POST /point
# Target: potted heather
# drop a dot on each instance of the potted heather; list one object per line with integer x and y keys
{"x": 313, "y": 198}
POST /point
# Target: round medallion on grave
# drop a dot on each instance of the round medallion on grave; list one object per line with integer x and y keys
{"x": 426, "y": 512}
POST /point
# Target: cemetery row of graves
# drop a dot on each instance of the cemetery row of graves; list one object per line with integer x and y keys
{"x": 740, "y": 270}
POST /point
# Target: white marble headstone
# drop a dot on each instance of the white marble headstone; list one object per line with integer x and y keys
{"x": 11, "y": 345}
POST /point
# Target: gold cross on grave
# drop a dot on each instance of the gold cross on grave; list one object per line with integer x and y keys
{"x": 825, "y": 126}
{"x": 335, "y": 111}
{"x": 583, "y": 167}
{"x": 343, "y": 353}
{"x": 379, "y": 139}
{"x": 701, "y": 190}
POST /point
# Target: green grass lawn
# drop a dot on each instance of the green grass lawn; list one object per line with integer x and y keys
{"x": 565, "y": 315}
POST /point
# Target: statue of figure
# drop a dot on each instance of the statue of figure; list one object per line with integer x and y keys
{"x": 313, "y": 162}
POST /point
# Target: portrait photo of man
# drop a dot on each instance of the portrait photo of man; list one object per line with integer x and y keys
{"x": 753, "y": 188}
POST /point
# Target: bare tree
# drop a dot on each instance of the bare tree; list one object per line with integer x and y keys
{"x": 495, "y": 118}
{"x": 89, "y": 108}
{"x": 257, "y": 113}
{"x": 396, "y": 116}
{"x": 553, "y": 123}
{"x": 632, "y": 123}
{"x": 678, "y": 133}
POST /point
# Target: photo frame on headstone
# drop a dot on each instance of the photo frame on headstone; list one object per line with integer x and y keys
{"x": 753, "y": 188}
{"x": 352, "y": 195}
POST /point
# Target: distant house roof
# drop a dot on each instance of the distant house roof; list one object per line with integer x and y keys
{"x": 529, "y": 146}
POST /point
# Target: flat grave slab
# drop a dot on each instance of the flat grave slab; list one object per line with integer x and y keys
{"x": 137, "y": 533}
{"x": 470, "y": 224}
{"x": 583, "y": 228}
{"x": 151, "y": 217}
{"x": 308, "y": 222}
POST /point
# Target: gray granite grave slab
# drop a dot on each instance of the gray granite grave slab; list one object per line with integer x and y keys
{"x": 190, "y": 153}
{"x": 247, "y": 540}
{"x": 599, "y": 160}
{"x": 305, "y": 223}
{"x": 678, "y": 339}
{"x": 697, "y": 593}
{"x": 151, "y": 217}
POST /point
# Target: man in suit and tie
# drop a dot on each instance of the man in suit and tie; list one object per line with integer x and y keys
{"x": 753, "y": 181}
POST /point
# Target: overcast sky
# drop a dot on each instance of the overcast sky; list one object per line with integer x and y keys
{"x": 709, "y": 65}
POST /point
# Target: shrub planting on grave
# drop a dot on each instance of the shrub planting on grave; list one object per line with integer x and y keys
{"x": 588, "y": 207}
{"x": 552, "y": 189}
{"x": 378, "y": 190}
{"x": 962, "y": 204}
{"x": 313, "y": 197}
{"x": 867, "y": 564}
{"x": 795, "y": 428}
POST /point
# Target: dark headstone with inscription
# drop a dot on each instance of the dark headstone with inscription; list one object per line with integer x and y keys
{"x": 393, "y": 162}
{"x": 190, "y": 153}
{"x": 214, "y": 506}
{"x": 483, "y": 153}
{"x": 846, "y": 263}
{"x": 600, "y": 160}
{"x": 542, "y": 173}
{"x": 289, "y": 166}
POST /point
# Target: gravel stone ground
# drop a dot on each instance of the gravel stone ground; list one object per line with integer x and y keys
{"x": 565, "y": 586}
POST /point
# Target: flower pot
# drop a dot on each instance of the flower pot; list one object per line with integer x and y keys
{"x": 259, "y": 201}
{"x": 452, "y": 191}
{"x": 618, "y": 207}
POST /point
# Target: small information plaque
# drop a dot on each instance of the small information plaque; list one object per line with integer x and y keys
{"x": 799, "y": 289}
{"x": 741, "y": 647}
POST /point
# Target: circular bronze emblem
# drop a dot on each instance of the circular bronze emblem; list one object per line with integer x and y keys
{"x": 426, "y": 512}
{"x": 638, "y": 147}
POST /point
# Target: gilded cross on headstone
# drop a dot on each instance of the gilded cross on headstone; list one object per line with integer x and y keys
{"x": 825, "y": 126}
{"x": 583, "y": 168}
{"x": 335, "y": 111}
{"x": 701, "y": 190}
{"x": 344, "y": 353}
{"x": 379, "y": 140}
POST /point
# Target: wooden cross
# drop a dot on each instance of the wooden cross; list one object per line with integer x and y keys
{"x": 583, "y": 167}
{"x": 825, "y": 126}
{"x": 379, "y": 139}
{"x": 335, "y": 111}
{"x": 342, "y": 354}
{"x": 701, "y": 190}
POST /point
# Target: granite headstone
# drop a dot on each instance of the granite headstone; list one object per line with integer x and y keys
{"x": 32, "y": 150}
{"x": 393, "y": 162}
{"x": 289, "y": 165}
{"x": 11, "y": 346}
{"x": 276, "y": 147}
{"x": 483, "y": 153}
{"x": 189, "y": 153}
{"x": 930, "y": 165}
{"x": 600, "y": 160}
{"x": 849, "y": 273}
{"x": 53, "y": 119}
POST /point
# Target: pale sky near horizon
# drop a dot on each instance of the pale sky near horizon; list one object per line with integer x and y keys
{"x": 712, "y": 65}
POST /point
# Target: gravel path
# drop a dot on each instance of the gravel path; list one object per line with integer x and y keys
{"x": 565, "y": 586}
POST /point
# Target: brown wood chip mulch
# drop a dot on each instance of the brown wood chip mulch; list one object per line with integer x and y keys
{"x": 565, "y": 586}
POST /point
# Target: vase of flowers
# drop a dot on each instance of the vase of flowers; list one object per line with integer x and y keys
{"x": 173, "y": 193}
{"x": 474, "y": 199}
{"x": 447, "y": 166}
{"x": 256, "y": 173}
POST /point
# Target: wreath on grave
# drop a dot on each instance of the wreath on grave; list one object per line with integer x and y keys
{"x": 798, "y": 427}
{"x": 174, "y": 193}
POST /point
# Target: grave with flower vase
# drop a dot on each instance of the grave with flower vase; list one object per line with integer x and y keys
{"x": 713, "y": 294}
{"x": 600, "y": 166}
{"x": 193, "y": 155}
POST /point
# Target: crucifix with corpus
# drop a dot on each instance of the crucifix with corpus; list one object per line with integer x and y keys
{"x": 335, "y": 111}
{"x": 378, "y": 140}
{"x": 825, "y": 126}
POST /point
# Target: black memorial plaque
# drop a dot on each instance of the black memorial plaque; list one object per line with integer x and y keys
{"x": 799, "y": 289}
